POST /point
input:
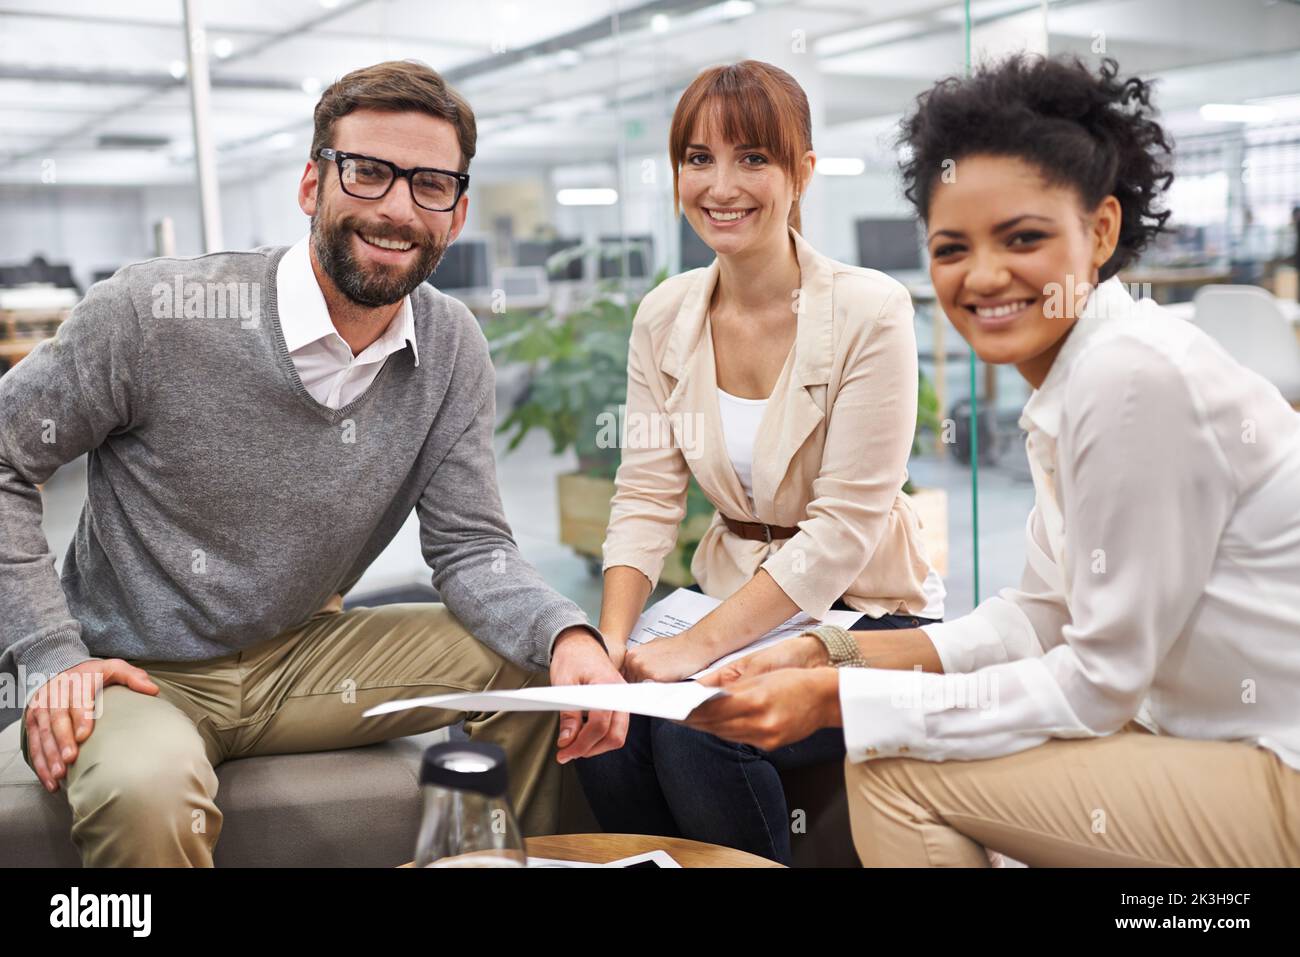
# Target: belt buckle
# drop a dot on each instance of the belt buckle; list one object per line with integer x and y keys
{"x": 767, "y": 530}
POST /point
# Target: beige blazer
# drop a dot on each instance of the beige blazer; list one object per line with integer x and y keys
{"x": 830, "y": 455}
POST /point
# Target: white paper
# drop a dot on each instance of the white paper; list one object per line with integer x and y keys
{"x": 660, "y": 858}
{"x": 672, "y": 700}
{"x": 684, "y": 608}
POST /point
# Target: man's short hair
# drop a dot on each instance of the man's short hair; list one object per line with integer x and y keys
{"x": 396, "y": 86}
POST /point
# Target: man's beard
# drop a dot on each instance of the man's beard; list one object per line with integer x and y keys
{"x": 371, "y": 285}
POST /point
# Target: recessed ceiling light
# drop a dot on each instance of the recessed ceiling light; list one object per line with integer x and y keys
{"x": 586, "y": 197}
{"x": 177, "y": 69}
{"x": 659, "y": 23}
{"x": 310, "y": 85}
{"x": 840, "y": 166}
{"x": 222, "y": 48}
{"x": 1236, "y": 113}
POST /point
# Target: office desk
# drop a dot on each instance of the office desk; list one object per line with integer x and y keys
{"x": 1187, "y": 310}
{"x": 1162, "y": 281}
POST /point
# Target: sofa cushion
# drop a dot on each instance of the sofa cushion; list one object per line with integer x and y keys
{"x": 358, "y": 807}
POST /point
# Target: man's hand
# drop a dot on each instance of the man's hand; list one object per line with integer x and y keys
{"x": 802, "y": 651}
{"x": 577, "y": 658}
{"x": 773, "y": 709}
{"x": 59, "y": 716}
{"x": 666, "y": 659}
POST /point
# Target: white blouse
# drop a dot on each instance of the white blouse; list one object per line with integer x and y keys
{"x": 1163, "y": 563}
{"x": 740, "y": 421}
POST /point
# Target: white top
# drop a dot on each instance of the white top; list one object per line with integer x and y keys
{"x": 740, "y": 419}
{"x": 936, "y": 593}
{"x": 325, "y": 363}
{"x": 1163, "y": 563}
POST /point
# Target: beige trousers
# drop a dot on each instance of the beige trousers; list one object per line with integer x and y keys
{"x": 1129, "y": 799}
{"x": 143, "y": 789}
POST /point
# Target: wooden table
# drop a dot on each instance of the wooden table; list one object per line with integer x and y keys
{"x": 603, "y": 848}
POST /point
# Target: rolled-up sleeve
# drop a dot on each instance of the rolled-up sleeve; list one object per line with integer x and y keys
{"x": 650, "y": 496}
{"x": 869, "y": 431}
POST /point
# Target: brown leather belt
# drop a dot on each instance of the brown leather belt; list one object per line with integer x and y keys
{"x": 757, "y": 531}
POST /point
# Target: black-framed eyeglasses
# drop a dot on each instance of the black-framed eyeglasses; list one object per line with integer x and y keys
{"x": 367, "y": 177}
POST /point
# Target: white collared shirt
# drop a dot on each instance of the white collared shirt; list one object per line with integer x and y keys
{"x": 324, "y": 361}
{"x": 1163, "y": 563}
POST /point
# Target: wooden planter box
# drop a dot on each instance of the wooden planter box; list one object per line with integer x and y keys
{"x": 584, "y": 515}
{"x": 22, "y": 330}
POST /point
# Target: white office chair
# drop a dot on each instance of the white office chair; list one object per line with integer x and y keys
{"x": 1248, "y": 322}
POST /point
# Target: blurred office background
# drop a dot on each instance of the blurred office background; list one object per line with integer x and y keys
{"x": 570, "y": 214}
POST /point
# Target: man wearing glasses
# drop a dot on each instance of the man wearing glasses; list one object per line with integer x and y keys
{"x": 244, "y": 470}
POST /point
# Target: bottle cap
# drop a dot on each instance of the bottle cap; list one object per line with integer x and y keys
{"x": 466, "y": 766}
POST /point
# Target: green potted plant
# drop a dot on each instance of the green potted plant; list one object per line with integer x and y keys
{"x": 578, "y": 361}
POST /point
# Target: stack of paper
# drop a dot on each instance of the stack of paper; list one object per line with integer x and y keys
{"x": 684, "y": 608}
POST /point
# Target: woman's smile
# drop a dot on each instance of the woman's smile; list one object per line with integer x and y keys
{"x": 727, "y": 217}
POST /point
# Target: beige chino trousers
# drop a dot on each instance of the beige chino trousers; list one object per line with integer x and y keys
{"x": 143, "y": 789}
{"x": 1130, "y": 799}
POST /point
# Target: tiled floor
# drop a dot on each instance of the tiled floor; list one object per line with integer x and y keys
{"x": 527, "y": 480}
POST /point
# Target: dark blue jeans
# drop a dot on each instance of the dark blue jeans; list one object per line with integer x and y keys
{"x": 674, "y": 781}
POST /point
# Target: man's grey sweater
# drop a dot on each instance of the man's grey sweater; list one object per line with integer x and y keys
{"x": 225, "y": 504}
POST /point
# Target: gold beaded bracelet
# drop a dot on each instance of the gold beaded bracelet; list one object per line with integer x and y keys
{"x": 840, "y": 647}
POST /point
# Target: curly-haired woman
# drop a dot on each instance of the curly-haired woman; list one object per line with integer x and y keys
{"x": 1134, "y": 701}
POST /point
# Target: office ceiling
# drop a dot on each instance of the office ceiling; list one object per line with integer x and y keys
{"x": 97, "y": 91}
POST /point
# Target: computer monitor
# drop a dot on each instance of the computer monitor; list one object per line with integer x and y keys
{"x": 1191, "y": 238}
{"x": 39, "y": 271}
{"x": 638, "y": 251}
{"x": 695, "y": 251}
{"x": 525, "y": 287}
{"x": 532, "y": 252}
{"x": 61, "y": 275}
{"x": 20, "y": 275}
{"x": 464, "y": 266}
{"x": 537, "y": 252}
{"x": 890, "y": 245}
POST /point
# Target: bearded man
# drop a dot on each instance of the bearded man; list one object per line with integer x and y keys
{"x": 245, "y": 467}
